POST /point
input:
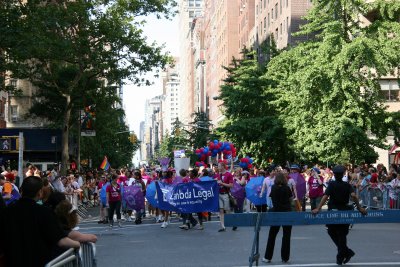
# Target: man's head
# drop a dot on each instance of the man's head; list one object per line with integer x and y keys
{"x": 32, "y": 187}
{"x": 295, "y": 168}
{"x": 339, "y": 171}
{"x": 222, "y": 167}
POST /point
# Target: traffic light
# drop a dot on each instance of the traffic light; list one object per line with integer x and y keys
{"x": 133, "y": 138}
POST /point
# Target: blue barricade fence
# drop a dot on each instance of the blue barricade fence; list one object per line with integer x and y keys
{"x": 307, "y": 218}
{"x": 257, "y": 220}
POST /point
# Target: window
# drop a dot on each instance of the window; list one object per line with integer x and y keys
{"x": 390, "y": 90}
{"x": 272, "y": 15}
{"x": 191, "y": 3}
{"x": 269, "y": 20}
{"x": 287, "y": 24}
{"x": 265, "y": 24}
{"x": 280, "y": 30}
{"x": 191, "y": 14}
{"x": 14, "y": 113}
{"x": 257, "y": 10}
{"x": 265, "y": 4}
{"x": 280, "y": 8}
{"x": 13, "y": 83}
{"x": 198, "y": 3}
{"x": 276, "y": 10}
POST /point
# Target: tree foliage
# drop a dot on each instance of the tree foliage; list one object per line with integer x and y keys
{"x": 63, "y": 46}
{"x": 327, "y": 90}
{"x": 251, "y": 119}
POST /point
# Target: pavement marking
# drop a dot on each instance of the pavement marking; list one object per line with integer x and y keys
{"x": 82, "y": 227}
{"x": 333, "y": 264}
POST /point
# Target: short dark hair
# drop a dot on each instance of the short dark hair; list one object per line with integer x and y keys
{"x": 31, "y": 186}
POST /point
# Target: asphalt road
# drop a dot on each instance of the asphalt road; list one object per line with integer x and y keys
{"x": 150, "y": 245}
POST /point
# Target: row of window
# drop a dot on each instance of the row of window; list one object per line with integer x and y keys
{"x": 278, "y": 7}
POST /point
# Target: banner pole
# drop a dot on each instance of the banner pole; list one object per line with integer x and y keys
{"x": 21, "y": 158}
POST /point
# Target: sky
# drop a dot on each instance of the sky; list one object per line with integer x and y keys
{"x": 162, "y": 31}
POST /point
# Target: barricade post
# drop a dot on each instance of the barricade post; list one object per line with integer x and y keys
{"x": 67, "y": 259}
{"x": 257, "y": 220}
{"x": 87, "y": 255}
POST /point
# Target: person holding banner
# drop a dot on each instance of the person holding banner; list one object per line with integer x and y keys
{"x": 338, "y": 193}
{"x": 166, "y": 177}
{"x": 225, "y": 183}
{"x": 139, "y": 182}
{"x": 114, "y": 200}
{"x": 192, "y": 178}
{"x": 281, "y": 196}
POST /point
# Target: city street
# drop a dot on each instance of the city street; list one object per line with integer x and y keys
{"x": 150, "y": 245}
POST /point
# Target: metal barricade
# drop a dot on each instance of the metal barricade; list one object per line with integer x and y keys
{"x": 87, "y": 255}
{"x": 380, "y": 196}
{"x": 375, "y": 198}
{"x": 67, "y": 259}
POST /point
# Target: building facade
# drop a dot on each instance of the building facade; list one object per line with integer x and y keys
{"x": 171, "y": 108}
{"x": 188, "y": 11}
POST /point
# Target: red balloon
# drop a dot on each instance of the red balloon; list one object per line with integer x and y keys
{"x": 202, "y": 149}
{"x": 250, "y": 166}
{"x": 209, "y": 153}
{"x": 197, "y": 151}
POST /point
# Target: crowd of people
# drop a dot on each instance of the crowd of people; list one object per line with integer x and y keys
{"x": 50, "y": 201}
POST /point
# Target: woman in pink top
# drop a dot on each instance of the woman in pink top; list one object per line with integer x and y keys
{"x": 114, "y": 200}
{"x": 315, "y": 187}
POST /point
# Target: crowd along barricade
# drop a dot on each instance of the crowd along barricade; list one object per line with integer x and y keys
{"x": 379, "y": 196}
{"x": 67, "y": 259}
{"x": 87, "y": 255}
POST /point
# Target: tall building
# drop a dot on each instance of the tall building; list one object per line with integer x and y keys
{"x": 246, "y": 23}
{"x": 152, "y": 126}
{"x": 170, "y": 108}
{"x": 142, "y": 154}
{"x": 188, "y": 11}
{"x": 221, "y": 45}
{"x": 279, "y": 19}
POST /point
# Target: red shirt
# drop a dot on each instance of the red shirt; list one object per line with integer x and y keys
{"x": 122, "y": 179}
{"x": 114, "y": 193}
{"x": 226, "y": 178}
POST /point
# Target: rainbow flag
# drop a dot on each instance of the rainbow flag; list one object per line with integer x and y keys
{"x": 105, "y": 165}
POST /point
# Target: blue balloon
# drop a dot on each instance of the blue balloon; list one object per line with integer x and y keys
{"x": 251, "y": 161}
{"x": 227, "y": 148}
{"x": 215, "y": 151}
{"x": 215, "y": 141}
{"x": 205, "y": 151}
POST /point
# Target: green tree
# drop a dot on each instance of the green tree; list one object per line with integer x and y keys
{"x": 199, "y": 130}
{"x": 327, "y": 89}
{"x": 62, "y": 46}
{"x": 251, "y": 119}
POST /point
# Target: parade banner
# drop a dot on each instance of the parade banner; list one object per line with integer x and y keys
{"x": 188, "y": 197}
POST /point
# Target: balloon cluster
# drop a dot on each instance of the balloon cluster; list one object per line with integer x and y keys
{"x": 214, "y": 148}
{"x": 200, "y": 164}
{"x": 246, "y": 163}
{"x": 226, "y": 148}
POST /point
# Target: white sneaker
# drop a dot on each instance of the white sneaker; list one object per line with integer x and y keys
{"x": 164, "y": 225}
{"x": 266, "y": 260}
{"x": 129, "y": 219}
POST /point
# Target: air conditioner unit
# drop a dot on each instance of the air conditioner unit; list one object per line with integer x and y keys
{"x": 14, "y": 118}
